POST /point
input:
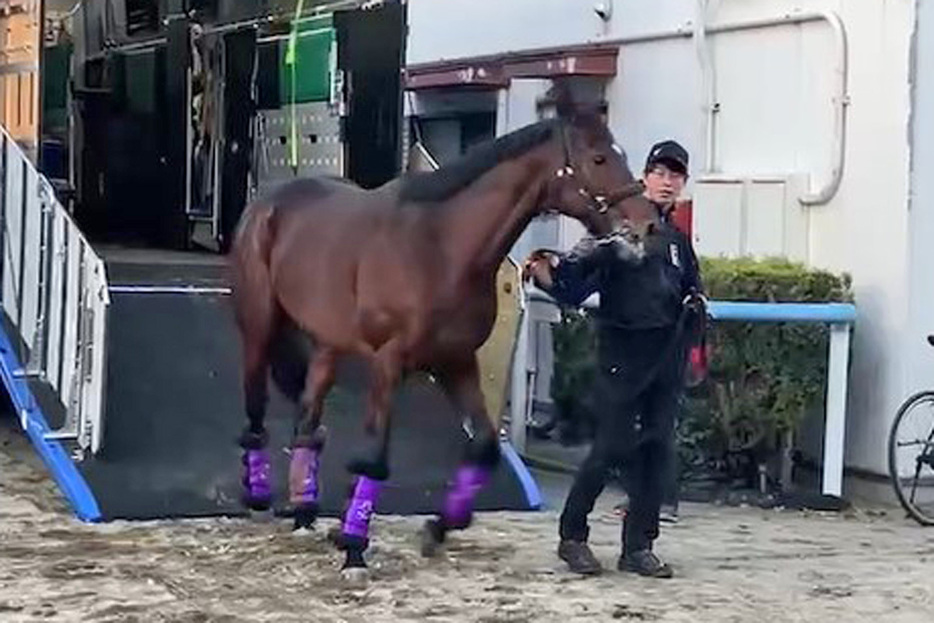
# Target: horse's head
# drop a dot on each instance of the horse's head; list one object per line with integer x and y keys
{"x": 593, "y": 182}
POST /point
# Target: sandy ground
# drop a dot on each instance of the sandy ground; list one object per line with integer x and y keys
{"x": 732, "y": 565}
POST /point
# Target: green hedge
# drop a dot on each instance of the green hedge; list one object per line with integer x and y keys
{"x": 763, "y": 377}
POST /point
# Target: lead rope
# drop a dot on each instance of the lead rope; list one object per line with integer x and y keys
{"x": 291, "y": 60}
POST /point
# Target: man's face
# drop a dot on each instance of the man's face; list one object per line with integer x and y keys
{"x": 663, "y": 185}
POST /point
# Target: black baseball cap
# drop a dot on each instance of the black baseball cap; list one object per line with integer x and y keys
{"x": 671, "y": 154}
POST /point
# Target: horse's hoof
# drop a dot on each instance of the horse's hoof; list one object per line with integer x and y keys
{"x": 257, "y": 504}
{"x": 355, "y": 575}
{"x": 432, "y": 538}
{"x": 374, "y": 470}
{"x": 305, "y": 517}
{"x": 354, "y": 567}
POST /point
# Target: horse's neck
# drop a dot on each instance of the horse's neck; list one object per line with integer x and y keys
{"x": 489, "y": 217}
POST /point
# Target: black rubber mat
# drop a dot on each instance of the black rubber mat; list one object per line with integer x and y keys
{"x": 174, "y": 412}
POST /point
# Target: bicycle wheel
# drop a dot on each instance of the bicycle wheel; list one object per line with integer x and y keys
{"x": 911, "y": 456}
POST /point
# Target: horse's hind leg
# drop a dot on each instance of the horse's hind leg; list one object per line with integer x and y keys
{"x": 256, "y": 314}
{"x": 256, "y": 465}
{"x": 309, "y": 438}
{"x": 462, "y": 384}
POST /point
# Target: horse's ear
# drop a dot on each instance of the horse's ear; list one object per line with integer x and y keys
{"x": 564, "y": 102}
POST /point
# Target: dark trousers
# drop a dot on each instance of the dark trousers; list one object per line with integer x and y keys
{"x": 635, "y": 433}
{"x": 672, "y": 488}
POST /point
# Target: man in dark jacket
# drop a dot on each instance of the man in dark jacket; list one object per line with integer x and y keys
{"x": 647, "y": 311}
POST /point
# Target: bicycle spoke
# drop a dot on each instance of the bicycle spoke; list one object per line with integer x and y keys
{"x": 914, "y": 485}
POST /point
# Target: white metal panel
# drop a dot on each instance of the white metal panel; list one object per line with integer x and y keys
{"x": 319, "y": 147}
{"x": 519, "y": 389}
{"x": 759, "y": 216}
{"x": 95, "y": 396}
{"x": 765, "y": 219}
{"x": 71, "y": 316}
{"x": 718, "y": 218}
{"x": 835, "y": 422}
{"x": 12, "y": 229}
{"x": 56, "y": 299}
{"x": 776, "y": 103}
{"x": 88, "y": 280}
{"x": 32, "y": 254}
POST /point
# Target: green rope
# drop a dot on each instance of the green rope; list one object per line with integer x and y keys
{"x": 292, "y": 61}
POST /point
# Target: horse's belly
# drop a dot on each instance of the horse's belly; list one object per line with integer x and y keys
{"x": 459, "y": 336}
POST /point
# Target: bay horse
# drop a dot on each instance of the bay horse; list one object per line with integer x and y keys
{"x": 404, "y": 276}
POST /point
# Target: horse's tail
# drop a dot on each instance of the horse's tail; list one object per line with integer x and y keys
{"x": 248, "y": 262}
{"x": 255, "y": 302}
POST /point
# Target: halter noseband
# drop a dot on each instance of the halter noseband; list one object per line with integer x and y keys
{"x": 600, "y": 203}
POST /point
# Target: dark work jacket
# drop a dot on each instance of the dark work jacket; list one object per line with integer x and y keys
{"x": 644, "y": 295}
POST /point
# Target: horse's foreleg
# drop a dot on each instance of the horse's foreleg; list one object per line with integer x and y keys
{"x": 373, "y": 462}
{"x": 372, "y": 467}
{"x": 462, "y": 384}
{"x": 309, "y": 439}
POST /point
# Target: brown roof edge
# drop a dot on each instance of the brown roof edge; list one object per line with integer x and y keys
{"x": 495, "y": 71}
{"x": 460, "y": 74}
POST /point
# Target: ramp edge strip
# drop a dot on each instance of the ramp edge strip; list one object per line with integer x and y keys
{"x": 533, "y": 494}
{"x": 143, "y": 289}
{"x": 63, "y": 470}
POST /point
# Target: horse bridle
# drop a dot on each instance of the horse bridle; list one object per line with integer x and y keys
{"x": 600, "y": 203}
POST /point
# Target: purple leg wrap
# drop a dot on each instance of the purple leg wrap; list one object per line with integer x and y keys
{"x": 256, "y": 475}
{"x": 303, "y": 476}
{"x": 362, "y": 505}
{"x": 458, "y": 506}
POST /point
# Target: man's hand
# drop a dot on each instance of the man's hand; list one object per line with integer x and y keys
{"x": 696, "y": 302}
{"x": 538, "y": 268}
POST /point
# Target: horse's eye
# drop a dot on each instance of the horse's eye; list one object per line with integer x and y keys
{"x": 599, "y": 159}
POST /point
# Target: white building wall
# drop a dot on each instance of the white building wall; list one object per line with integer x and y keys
{"x": 917, "y": 354}
{"x": 775, "y": 90}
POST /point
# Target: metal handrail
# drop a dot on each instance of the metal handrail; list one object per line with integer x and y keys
{"x": 53, "y": 291}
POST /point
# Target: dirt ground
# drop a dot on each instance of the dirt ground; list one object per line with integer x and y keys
{"x": 732, "y": 564}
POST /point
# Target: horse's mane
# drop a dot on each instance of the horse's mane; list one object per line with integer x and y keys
{"x": 451, "y": 178}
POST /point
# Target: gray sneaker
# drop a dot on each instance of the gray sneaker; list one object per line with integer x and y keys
{"x": 668, "y": 514}
{"x": 644, "y": 562}
{"x": 579, "y": 557}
